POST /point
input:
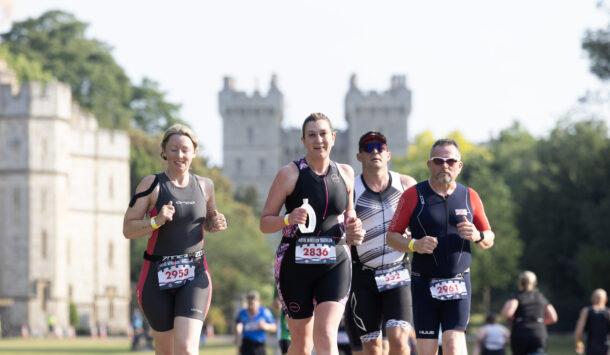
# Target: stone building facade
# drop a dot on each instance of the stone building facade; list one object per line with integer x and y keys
{"x": 256, "y": 145}
{"x": 64, "y": 186}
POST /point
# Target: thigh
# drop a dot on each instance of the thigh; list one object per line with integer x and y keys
{"x": 193, "y": 299}
{"x": 295, "y": 286}
{"x": 157, "y": 305}
{"x": 455, "y": 314}
{"x": 397, "y": 306}
{"x": 365, "y": 302}
{"x": 334, "y": 280}
{"x": 426, "y": 318}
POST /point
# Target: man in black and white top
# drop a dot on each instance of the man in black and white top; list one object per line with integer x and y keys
{"x": 381, "y": 295}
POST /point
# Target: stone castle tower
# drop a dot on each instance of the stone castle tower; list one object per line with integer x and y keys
{"x": 64, "y": 186}
{"x": 256, "y": 145}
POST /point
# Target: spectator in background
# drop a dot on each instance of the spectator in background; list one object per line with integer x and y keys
{"x": 529, "y": 312}
{"x": 491, "y": 338}
{"x": 251, "y": 324}
{"x": 595, "y": 321}
{"x": 283, "y": 334}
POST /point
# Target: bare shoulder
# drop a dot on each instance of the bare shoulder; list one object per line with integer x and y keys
{"x": 407, "y": 181}
{"x": 346, "y": 170}
{"x": 205, "y": 181}
{"x": 145, "y": 183}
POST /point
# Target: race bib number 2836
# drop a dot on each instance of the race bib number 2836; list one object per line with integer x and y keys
{"x": 315, "y": 250}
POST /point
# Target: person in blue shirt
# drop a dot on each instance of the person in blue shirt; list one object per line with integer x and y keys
{"x": 251, "y": 326}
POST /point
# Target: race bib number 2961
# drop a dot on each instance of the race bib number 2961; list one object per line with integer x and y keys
{"x": 448, "y": 289}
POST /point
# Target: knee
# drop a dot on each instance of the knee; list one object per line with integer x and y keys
{"x": 399, "y": 341}
{"x": 324, "y": 339}
{"x": 300, "y": 345}
{"x": 185, "y": 347}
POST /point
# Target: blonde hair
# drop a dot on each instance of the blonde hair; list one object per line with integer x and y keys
{"x": 527, "y": 281}
{"x": 181, "y": 130}
{"x": 599, "y": 296}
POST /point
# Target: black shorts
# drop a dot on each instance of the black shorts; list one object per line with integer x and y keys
{"x": 429, "y": 313}
{"x": 161, "y": 306}
{"x": 302, "y": 286}
{"x": 371, "y": 308}
{"x": 251, "y": 347}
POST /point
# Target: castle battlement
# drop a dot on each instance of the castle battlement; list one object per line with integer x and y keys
{"x": 35, "y": 100}
{"x": 234, "y": 102}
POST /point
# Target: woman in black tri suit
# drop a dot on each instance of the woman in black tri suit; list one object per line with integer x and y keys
{"x": 313, "y": 265}
{"x": 174, "y": 289}
{"x": 529, "y": 312}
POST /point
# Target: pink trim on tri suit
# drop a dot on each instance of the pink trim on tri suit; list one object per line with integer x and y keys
{"x": 279, "y": 256}
{"x": 326, "y": 190}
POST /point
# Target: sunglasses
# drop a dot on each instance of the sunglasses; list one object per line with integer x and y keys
{"x": 369, "y": 147}
{"x": 441, "y": 161}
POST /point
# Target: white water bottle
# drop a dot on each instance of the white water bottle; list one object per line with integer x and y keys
{"x": 311, "y": 214}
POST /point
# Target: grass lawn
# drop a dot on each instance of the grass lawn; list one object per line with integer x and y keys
{"x": 558, "y": 345}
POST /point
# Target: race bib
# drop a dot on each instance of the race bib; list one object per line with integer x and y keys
{"x": 389, "y": 278}
{"x": 252, "y": 326}
{"x": 175, "y": 271}
{"x": 448, "y": 289}
{"x": 315, "y": 250}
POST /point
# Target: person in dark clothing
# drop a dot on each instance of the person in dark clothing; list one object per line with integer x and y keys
{"x": 595, "y": 322}
{"x": 313, "y": 264}
{"x": 529, "y": 312}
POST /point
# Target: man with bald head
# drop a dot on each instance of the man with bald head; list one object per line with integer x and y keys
{"x": 595, "y": 321}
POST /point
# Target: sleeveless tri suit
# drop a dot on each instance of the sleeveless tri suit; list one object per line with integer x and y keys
{"x": 175, "y": 280}
{"x": 303, "y": 282}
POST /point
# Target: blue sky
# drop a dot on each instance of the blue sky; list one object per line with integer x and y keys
{"x": 472, "y": 65}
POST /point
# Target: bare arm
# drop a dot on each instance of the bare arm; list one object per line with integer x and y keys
{"x": 239, "y": 327}
{"x": 407, "y": 181}
{"x": 134, "y": 224}
{"x": 214, "y": 221}
{"x": 488, "y": 241}
{"x": 282, "y": 186}
{"x": 353, "y": 225}
{"x": 479, "y": 341}
{"x": 509, "y": 309}
{"x": 550, "y": 314}
{"x": 580, "y": 326}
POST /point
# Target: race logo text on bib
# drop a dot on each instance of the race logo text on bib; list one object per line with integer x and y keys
{"x": 315, "y": 250}
{"x": 175, "y": 271}
{"x": 391, "y": 277}
{"x": 448, "y": 289}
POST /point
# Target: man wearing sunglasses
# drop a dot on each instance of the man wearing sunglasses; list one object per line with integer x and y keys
{"x": 445, "y": 218}
{"x": 381, "y": 295}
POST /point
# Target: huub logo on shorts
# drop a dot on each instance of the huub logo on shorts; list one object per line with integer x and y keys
{"x": 461, "y": 212}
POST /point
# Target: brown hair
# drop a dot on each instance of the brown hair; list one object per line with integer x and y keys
{"x": 181, "y": 130}
{"x": 316, "y": 116}
{"x": 443, "y": 142}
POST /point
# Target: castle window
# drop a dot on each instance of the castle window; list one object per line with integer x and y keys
{"x": 110, "y": 254}
{"x": 68, "y": 255}
{"x": 238, "y": 165}
{"x": 43, "y": 200}
{"x": 110, "y": 188}
{"x": 250, "y": 135}
{"x": 261, "y": 165}
{"x": 44, "y": 244}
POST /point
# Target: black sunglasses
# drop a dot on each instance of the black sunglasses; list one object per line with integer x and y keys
{"x": 441, "y": 161}
{"x": 369, "y": 147}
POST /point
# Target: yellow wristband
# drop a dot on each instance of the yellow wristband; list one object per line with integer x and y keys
{"x": 153, "y": 223}
{"x": 286, "y": 219}
{"x": 580, "y": 343}
{"x": 411, "y": 243}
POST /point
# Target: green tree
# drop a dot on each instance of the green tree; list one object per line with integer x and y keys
{"x": 57, "y": 40}
{"x": 152, "y": 112}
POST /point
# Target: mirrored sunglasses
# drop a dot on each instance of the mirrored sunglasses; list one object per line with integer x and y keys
{"x": 441, "y": 161}
{"x": 369, "y": 147}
